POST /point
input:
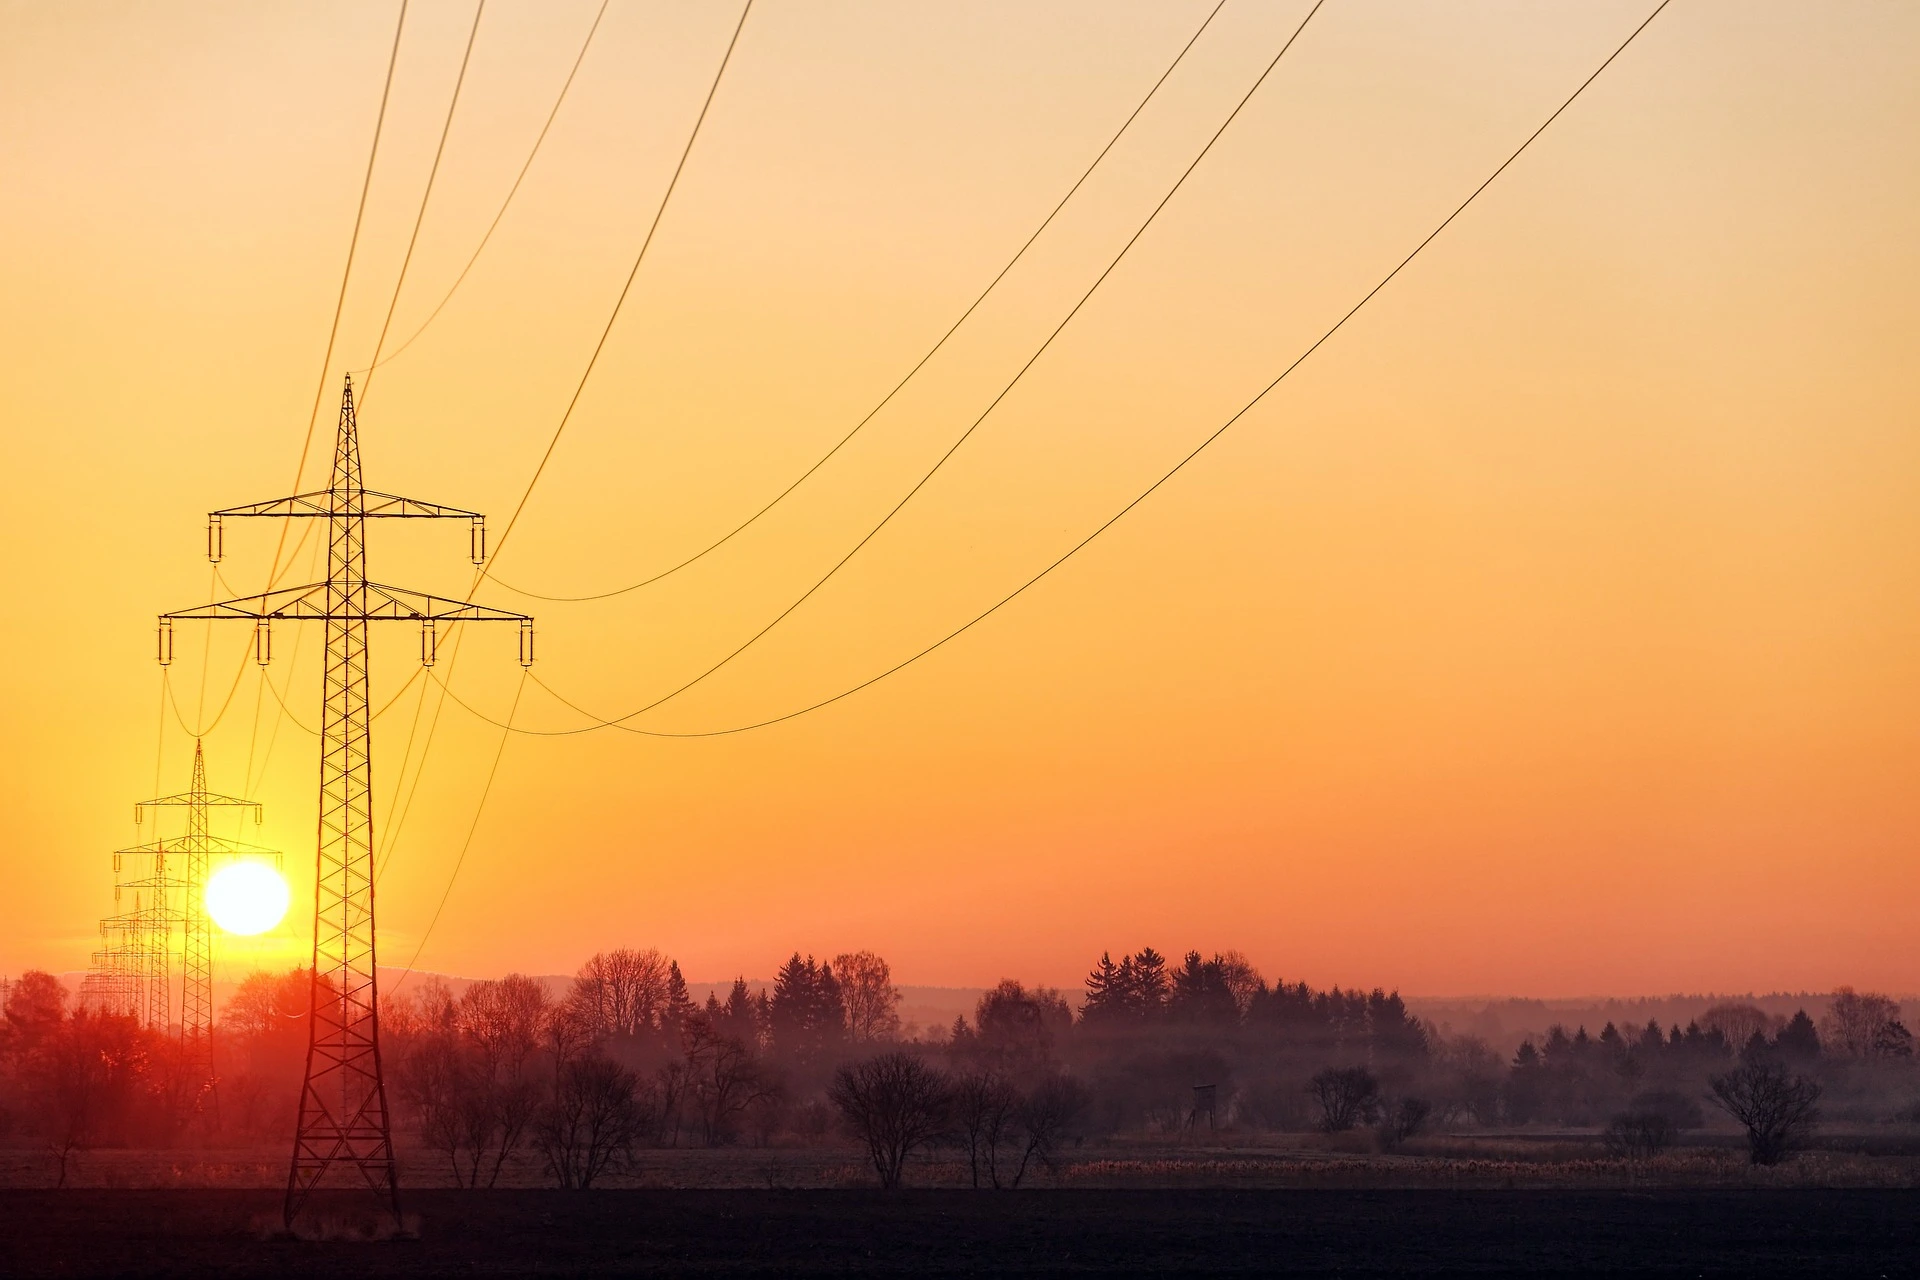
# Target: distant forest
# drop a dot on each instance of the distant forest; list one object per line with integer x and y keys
{"x": 509, "y": 1072}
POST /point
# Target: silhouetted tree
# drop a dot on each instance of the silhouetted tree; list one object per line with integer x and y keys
{"x": 1798, "y": 1043}
{"x": 678, "y": 1005}
{"x": 895, "y": 1104}
{"x": 1854, "y": 1022}
{"x": 983, "y": 1109}
{"x": 1737, "y": 1023}
{"x": 592, "y": 1122}
{"x": 725, "y": 1078}
{"x": 1150, "y": 984}
{"x": 619, "y": 993}
{"x": 1016, "y": 1031}
{"x": 806, "y": 1016}
{"x": 1109, "y": 991}
{"x": 1775, "y": 1106}
{"x": 867, "y": 993}
{"x": 1201, "y": 994}
{"x": 1045, "y": 1118}
{"x": 1347, "y": 1096}
{"x": 35, "y": 1008}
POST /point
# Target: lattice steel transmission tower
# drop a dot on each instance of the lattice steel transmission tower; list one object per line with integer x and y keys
{"x": 120, "y": 980}
{"x": 139, "y": 952}
{"x": 192, "y": 853}
{"x": 343, "y": 1116}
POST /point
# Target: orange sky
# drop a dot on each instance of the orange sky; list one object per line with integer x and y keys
{"x": 1553, "y": 630}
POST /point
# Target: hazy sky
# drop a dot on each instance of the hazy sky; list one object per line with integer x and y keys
{"x": 1556, "y": 628}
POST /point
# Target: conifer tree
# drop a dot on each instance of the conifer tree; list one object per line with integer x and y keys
{"x": 1150, "y": 982}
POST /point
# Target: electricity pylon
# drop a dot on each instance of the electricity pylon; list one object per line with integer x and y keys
{"x": 142, "y": 939}
{"x": 124, "y": 980}
{"x": 196, "y": 848}
{"x": 343, "y": 1117}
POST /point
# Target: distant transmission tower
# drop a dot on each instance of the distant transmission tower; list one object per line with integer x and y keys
{"x": 117, "y": 982}
{"x": 343, "y": 1118}
{"x": 192, "y": 853}
{"x": 139, "y": 952}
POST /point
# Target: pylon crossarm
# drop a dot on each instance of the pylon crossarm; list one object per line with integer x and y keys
{"x": 383, "y": 604}
{"x": 218, "y": 846}
{"x": 185, "y": 799}
{"x": 371, "y": 504}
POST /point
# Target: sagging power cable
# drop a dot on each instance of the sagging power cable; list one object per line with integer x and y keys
{"x": 919, "y": 364}
{"x": 512, "y": 191}
{"x": 1019, "y": 374}
{"x": 1146, "y": 493}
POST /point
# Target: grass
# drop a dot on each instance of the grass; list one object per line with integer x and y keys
{"x": 1229, "y": 1160}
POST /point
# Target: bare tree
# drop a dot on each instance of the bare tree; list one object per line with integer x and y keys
{"x": 895, "y": 1103}
{"x": 1775, "y": 1105}
{"x": 1347, "y": 1096}
{"x": 1402, "y": 1120}
{"x": 619, "y": 993}
{"x": 503, "y": 1021}
{"x": 1856, "y": 1021}
{"x": 74, "y": 1078}
{"x": 725, "y": 1078}
{"x": 983, "y": 1108}
{"x": 592, "y": 1122}
{"x": 1045, "y": 1119}
{"x": 1739, "y": 1023}
{"x": 1638, "y": 1135}
{"x": 867, "y": 992}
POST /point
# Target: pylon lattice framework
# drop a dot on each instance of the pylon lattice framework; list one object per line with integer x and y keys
{"x": 196, "y": 847}
{"x": 343, "y": 1116}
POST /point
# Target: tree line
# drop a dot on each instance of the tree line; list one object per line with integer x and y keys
{"x": 510, "y": 1073}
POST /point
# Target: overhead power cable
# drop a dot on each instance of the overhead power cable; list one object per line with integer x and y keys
{"x": 309, "y": 730}
{"x": 333, "y": 333}
{"x": 1020, "y": 373}
{"x": 460, "y": 860}
{"x": 1179, "y": 466}
{"x": 512, "y": 191}
{"x": 919, "y": 364}
{"x": 426, "y": 197}
{"x": 619, "y": 302}
{"x": 639, "y": 257}
{"x": 353, "y": 244}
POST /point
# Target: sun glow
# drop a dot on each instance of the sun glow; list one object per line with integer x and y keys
{"x": 246, "y": 898}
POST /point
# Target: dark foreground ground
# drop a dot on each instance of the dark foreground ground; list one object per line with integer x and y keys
{"x": 1093, "y": 1232}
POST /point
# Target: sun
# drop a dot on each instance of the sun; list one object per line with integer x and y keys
{"x": 246, "y": 897}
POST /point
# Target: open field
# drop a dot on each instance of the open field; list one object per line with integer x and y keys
{"x": 1088, "y": 1232}
{"x": 1881, "y": 1158}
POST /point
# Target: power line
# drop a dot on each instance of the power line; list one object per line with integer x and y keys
{"x": 1004, "y": 391}
{"x": 333, "y": 333}
{"x": 473, "y": 827}
{"x": 353, "y": 242}
{"x": 1144, "y": 494}
{"x": 620, "y": 301}
{"x": 639, "y": 257}
{"x": 511, "y": 192}
{"x": 302, "y": 725}
{"x": 918, "y": 365}
{"x": 426, "y": 196}
{"x": 399, "y": 809}
{"x": 207, "y": 727}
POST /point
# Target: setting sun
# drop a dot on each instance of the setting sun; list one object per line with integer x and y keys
{"x": 247, "y": 898}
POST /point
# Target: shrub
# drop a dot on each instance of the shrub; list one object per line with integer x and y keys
{"x": 1403, "y": 1120}
{"x": 1636, "y": 1135}
{"x": 1347, "y": 1096}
